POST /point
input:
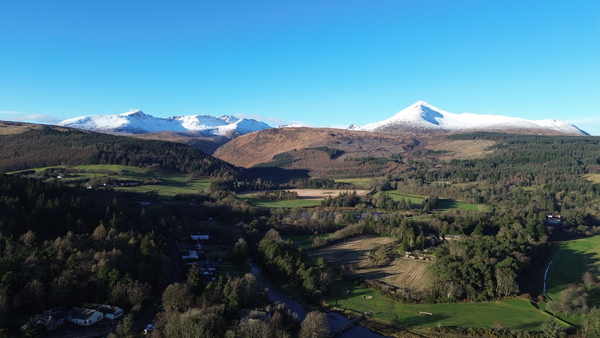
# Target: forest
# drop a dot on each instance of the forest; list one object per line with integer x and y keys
{"x": 66, "y": 245}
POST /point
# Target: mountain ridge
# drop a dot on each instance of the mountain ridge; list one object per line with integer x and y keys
{"x": 137, "y": 122}
{"x": 420, "y": 117}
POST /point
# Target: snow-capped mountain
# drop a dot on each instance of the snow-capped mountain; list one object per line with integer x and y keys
{"x": 136, "y": 122}
{"x": 423, "y": 117}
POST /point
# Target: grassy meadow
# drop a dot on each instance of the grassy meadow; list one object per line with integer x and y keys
{"x": 362, "y": 182}
{"x": 305, "y": 241}
{"x": 306, "y": 198}
{"x": 168, "y": 184}
{"x": 442, "y": 204}
{"x": 269, "y": 204}
{"x": 572, "y": 259}
{"x": 448, "y": 204}
{"x": 515, "y": 314}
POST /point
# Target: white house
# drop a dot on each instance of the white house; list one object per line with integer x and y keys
{"x": 109, "y": 312}
{"x": 200, "y": 237}
{"x": 191, "y": 254}
{"x": 84, "y": 317}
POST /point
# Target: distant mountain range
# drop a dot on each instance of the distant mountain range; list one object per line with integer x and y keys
{"x": 136, "y": 122}
{"x": 420, "y": 117}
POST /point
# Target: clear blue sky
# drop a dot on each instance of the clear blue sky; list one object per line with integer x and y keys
{"x": 323, "y": 63}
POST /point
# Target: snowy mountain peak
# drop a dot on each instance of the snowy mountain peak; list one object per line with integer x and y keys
{"x": 133, "y": 113}
{"x": 137, "y": 122}
{"x": 423, "y": 117}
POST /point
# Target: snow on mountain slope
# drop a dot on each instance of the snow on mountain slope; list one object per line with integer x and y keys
{"x": 136, "y": 122}
{"x": 422, "y": 116}
{"x": 561, "y": 126}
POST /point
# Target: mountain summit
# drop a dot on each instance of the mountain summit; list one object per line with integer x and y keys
{"x": 423, "y": 117}
{"x": 137, "y": 122}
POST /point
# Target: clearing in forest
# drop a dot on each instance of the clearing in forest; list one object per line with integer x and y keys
{"x": 594, "y": 178}
{"x": 321, "y": 194}
{"x": 306, "y": 198}
{"x": 464, "y": 149}
{"x": 400, "y": 272}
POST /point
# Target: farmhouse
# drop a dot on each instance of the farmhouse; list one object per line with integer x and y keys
{"x": 109, "y": 312}
{"x": 84, "y": 317}
{"x": 200, "y": 237}
{"x": 189, "y": 254}
{"x": 51, "y": 319}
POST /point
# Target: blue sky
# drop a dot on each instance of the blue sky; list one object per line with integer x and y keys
{"x": 322, "y": 63}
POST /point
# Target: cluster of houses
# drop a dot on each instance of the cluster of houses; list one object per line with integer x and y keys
{"x": 88, "y": 316}
{"x": 193, "y": 253}
{"x": 117, "y": 184}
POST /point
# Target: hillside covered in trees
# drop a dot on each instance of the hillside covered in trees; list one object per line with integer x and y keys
{"x": 52, "y": 146}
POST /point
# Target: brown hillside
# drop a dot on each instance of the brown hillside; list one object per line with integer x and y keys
{"x": 14, "y": 128}
{"x": 260, "y": 147}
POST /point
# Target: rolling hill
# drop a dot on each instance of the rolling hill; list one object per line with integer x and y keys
{"x": 24, "y": 146}
{"x": 260, "y": 147}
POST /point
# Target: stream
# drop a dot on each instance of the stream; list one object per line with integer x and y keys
{"x": 546, "y": 272}
{"x": 276, "y": 294}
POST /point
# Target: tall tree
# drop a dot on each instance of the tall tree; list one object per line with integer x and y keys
{"x": 315, "y": 325}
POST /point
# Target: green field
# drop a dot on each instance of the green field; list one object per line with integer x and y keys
{"x": 448, "y": 203}
{"x": 304, "y": 241}
{"x": 358, "y": 182}
{"x": 170, "y": 183}
{"x": 442, "y": 204}
{"x": 572, "y": 259}
{"x": 514, "y": 314}
{"x": 413, "y": 199}
{"x": 269, "y": 204}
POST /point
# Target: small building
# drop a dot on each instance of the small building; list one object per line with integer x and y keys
{"x": 51, "y": 319}
{"x": 84, "y": 317}
{"x": 109, "y": 312}
{"x": 190, "y": 254}
{"x": 256, "y": 314}
{"x": 200, "y": 237}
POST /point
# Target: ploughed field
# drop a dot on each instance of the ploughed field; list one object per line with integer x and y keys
{"x": 400, "y": 272}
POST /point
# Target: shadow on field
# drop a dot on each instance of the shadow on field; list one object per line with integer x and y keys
{"x": 336, "y": 255}
{"x": 378, "y": 275}
{"x": 446, "y": 204}
{"x": 532, "y": 326}
{"x": 569, "y": 266}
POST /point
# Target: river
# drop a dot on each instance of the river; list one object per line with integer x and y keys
{"x": 276, "y": 294}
